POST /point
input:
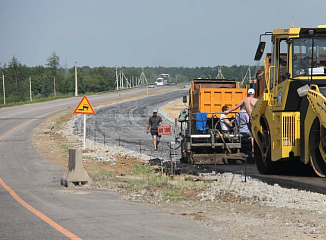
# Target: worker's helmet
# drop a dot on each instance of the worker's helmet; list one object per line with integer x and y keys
{"x": 251, "y": 91}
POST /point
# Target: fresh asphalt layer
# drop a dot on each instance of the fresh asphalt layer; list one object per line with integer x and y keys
{"x": 33, "y": 204}
{"x": 125, "y": 124}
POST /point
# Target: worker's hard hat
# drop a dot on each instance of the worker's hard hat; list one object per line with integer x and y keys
{"x": 154, "y": 111}
{"x": 251, "y": 91}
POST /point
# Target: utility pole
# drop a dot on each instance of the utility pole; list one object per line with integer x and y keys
{"x": 4, "y": 89}
{"x": 55, "y": 93}
{"x": 219, "y": 74}
{"x": 121, "y": 79}
{"x": 116, "y": 77}
{"x": 142, "y": 78}
{"x": 66, "y": 68}
{"x": 76, "y": 85}
{"x": 128, "y": 85}
{"x": 247, "y": 73}
{"x": 30, "y": 89}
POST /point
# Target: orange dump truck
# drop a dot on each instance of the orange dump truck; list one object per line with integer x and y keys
{"x": 202, "y": 141}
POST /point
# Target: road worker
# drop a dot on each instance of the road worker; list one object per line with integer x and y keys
{"x": 247, "y": 103}
{"x": 153, "y": 124}
{"x": 225, "y": 123}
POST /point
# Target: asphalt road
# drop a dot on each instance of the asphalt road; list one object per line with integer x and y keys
{"x": 125, "y": 123}
{"x": 33, "y": 204}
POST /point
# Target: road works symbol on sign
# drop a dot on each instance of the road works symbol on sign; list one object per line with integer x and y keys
{"x": 84, "y": 107}
{"x": 164, "y": 130}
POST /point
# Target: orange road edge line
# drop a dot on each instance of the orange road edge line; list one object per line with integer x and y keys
{"x": 29, "y": 207}
{"x": 38, "y": 213}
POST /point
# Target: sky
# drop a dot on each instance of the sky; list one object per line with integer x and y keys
{"x": 140, "y": 33}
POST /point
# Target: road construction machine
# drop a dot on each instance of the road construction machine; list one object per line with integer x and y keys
{"x": 289, "y": 118}
{"x": 201, "y": 137}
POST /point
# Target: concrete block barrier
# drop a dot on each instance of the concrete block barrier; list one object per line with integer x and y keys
{"x": 75, "y": 173}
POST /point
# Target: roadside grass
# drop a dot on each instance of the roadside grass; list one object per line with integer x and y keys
{"x": 171, "y": 195}
{"x": 101, "y": 175}
{"x": 143, "y": 178}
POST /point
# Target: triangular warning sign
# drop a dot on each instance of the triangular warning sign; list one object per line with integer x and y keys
{"x": 84, "y": 107}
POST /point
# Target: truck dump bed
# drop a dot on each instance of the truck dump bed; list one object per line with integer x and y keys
{"x": 210, "y": 95}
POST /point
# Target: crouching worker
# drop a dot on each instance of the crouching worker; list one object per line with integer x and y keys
{"x": 153, "y": 123}
{"x": 225, "y": 123}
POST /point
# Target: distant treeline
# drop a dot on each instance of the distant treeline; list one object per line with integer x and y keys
{"x": 53, "y": 79}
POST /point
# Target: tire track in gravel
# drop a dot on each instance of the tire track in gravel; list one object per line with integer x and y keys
{"x": 128, "y": 120}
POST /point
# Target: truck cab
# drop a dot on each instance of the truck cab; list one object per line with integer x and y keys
{"x": 159, "y": 82}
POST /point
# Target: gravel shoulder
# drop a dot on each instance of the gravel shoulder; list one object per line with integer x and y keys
{"x": 232, "y": 208}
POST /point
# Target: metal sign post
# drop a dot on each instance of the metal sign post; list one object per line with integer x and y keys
{"x": 84, "y": 137}
{"x": 84, "y": 107}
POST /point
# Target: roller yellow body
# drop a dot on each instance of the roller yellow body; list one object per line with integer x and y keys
{"x": 289, "y": 118}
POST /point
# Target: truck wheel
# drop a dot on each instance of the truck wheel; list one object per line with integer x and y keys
{"x": 316, "y": 159}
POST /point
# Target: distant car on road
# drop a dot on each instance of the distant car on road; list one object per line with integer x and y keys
{"x": 151, "y": 85}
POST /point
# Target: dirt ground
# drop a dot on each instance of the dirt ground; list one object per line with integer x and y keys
{"x": 228, "y": 215}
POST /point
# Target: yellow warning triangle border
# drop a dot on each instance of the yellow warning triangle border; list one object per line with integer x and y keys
{"x": 84, "y": 107}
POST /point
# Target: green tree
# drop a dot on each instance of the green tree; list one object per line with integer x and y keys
{"x": 93, "y": 83}
{"x": 53, "y": 65}
{"x": 14, "y": 70}
{"x": 14, "y": 76}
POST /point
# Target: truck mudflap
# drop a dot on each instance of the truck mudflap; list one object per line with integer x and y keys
{"x": 315, "y": 130}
